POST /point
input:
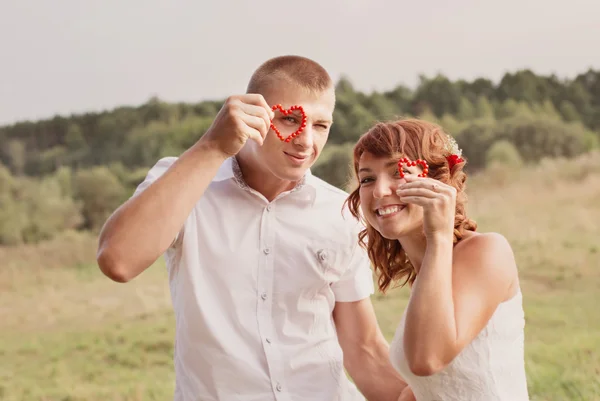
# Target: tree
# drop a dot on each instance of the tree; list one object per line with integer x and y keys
{"x": 504, "y": 154}
{"x": 483, "y": 108}
{"x": 100, "y": 192}
{"x": 439, "y": 94}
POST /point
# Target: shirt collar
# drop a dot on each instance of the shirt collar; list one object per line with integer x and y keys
{"x": 230, "y": 169}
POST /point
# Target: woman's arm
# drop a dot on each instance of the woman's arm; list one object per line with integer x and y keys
{"x": 453, "y": 298}
{"x": 457, "y": 288}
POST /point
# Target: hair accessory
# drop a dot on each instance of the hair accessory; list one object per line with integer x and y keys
{"x": 285, "y": 113}
{"x": 455, "y": 153}
{"x": 410, "y": 163}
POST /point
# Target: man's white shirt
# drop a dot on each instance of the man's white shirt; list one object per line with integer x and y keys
{"x": 253, "y": 285}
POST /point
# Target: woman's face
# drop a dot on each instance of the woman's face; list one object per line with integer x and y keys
{"x": 379, "y": 179}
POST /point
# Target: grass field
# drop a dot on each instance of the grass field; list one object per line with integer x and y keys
{"x": 69, "y": 334}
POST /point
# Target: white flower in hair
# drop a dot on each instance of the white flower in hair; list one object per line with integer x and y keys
{"x": 454, "y": 152}
{"x": 452, "y": 147}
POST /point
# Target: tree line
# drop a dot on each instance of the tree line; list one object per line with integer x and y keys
{"x": 70, "y": 172}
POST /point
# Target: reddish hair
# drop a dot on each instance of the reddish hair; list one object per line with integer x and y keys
{"x": 415, "y": 139}
{"x": 299, "y": 70}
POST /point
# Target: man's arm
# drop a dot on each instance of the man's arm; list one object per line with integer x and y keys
{"x": 366, "y": 351}
{"x": 142, "y": 229}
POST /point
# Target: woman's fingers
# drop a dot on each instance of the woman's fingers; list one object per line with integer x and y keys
{"x": 417, "y": 200}
{"x": 427, "y": 183}
{"x": 424, "y": 192}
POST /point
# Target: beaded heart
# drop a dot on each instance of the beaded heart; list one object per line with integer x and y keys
{"x": 410, "y": 163}
{"x": 285, "y": 113}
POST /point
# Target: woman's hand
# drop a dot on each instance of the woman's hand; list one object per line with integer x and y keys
{"x": 407, "y": 395}
{"x": 438, "y": 201}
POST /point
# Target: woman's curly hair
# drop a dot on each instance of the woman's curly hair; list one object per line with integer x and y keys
{"x": 415, "y": 139}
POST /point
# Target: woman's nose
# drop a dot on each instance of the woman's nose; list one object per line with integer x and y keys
{"x": 383, "y": 188}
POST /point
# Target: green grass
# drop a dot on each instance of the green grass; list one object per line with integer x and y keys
{"x": 91, "y": 340}
{"x": 69, "y": 334}
{"x": 117, "y": 361}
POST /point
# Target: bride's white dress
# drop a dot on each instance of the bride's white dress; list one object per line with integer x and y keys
{"x": 490, "y": 368}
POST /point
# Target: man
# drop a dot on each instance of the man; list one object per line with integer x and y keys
{"x": 268, "y": 283}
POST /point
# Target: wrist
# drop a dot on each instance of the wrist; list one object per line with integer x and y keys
{"x": 440, "y": 238}
{"x": 209, "y": 148}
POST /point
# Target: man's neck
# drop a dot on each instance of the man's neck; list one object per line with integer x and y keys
{"x": 263, "y": 182}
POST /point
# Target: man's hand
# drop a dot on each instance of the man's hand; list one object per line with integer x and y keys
{"x": 241, "y": 117}
{"x": 407, "y": 395}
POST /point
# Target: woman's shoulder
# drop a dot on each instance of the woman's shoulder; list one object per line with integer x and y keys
{"x": 488, "y": 258}
{"x": 484, "y": 241}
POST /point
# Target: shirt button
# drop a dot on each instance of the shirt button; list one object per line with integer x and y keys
{"x": 268, "y": 208}
{"x": 322, "y": 255}
{"x": 278, "y": 387}
{"x": 267, "y": 251}
{"x": 263, "y": 295}
{"x": 268, "y": 340}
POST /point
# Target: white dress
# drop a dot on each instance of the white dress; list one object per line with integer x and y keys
{"x": 490, "y": 368}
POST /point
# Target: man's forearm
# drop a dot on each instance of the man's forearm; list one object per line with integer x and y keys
{"x": 373, "y": 373}
{"x": 144, "y": 226}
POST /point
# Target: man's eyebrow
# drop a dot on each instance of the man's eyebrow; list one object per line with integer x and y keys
{"x": 320, "y": 120}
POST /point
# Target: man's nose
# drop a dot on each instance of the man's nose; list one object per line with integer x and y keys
{"x": 306, "y": 138}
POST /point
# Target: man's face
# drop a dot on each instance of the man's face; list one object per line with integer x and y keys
{"x": 290, "y": 160}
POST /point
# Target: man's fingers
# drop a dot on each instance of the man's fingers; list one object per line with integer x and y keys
{"x": 258, "y": 100}
{"x": 256, "y": 123}
{"x": 255, "y": 135}
{"x": 258, "y": 112}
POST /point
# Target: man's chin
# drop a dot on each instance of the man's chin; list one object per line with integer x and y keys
{"x": 292, "y": 175}
{"x": 291, "y": 172}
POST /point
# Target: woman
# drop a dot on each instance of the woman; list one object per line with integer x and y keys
{"x": 461, "y": 335}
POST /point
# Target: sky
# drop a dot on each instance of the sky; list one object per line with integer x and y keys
{"x": 73, "y": 56}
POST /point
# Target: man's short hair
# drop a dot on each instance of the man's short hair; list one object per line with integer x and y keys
{"x": 297, "y": 69}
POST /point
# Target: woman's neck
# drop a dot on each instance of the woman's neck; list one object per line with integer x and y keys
{"x": 414, "y": 246}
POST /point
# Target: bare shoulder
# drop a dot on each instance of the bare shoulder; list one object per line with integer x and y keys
{"x": 484, "y": 243}
{"x": 489, "y": 259}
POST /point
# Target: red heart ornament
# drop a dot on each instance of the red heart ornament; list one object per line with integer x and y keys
{"x": 410, "y": 163}
{"x": 285, "y": 113}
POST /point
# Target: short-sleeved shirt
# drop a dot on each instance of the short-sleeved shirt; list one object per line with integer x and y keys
{"x": 253, "y": 285}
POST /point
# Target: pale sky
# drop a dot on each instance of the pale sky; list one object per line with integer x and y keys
{"x": 73, "y": 56}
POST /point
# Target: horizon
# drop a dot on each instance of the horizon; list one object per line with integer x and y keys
{"x": 413, "y": 87}
{"x": 69, "y": 57}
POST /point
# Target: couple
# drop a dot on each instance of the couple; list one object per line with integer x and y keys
{"x": 271, "y": 281}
